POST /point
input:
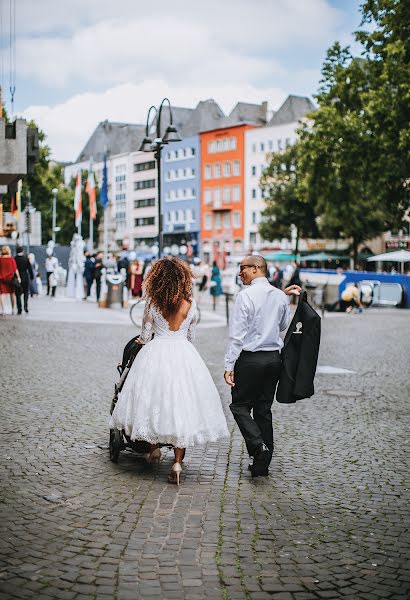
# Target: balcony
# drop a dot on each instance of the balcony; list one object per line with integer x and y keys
{"x": 220, "y": 205}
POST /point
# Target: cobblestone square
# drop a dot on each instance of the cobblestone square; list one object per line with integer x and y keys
{"x": 331, "y": 521}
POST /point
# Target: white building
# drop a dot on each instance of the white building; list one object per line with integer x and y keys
{"x": 143, "y": 193}
{"x": 279, "y": 133}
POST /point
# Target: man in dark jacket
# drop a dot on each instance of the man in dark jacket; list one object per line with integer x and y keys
{"x": 89, "y": 268}
{"x": 26, "y": 274}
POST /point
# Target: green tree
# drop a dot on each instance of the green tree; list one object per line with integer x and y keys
{"x": 47, "y": 176}
{"x": 339, "y": 155}
{"x": 284, "y": 205}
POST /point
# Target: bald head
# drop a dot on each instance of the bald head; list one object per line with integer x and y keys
{"x": 258, "y": 261}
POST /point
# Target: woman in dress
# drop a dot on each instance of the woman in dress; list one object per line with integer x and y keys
{"x": 8, "y": 269}
{"x": 169, "y": 396}
{"x": 135, "y": 278}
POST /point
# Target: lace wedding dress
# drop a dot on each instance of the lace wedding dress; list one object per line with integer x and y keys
{"x": 169, "y": 396}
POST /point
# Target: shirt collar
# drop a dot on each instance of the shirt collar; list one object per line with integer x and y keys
{"x": 260, "y": 279}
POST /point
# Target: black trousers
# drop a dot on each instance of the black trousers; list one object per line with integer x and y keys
{"x": 256, "y": 375}
{"x": 49, "y": 288}
{"x": 98, "y": 287}
{"x": 25, "y": 286}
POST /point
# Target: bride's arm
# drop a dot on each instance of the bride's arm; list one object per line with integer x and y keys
{"x": 192, "y": 325}
{"x": 147, "y": 325}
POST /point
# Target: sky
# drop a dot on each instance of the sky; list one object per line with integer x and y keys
{"x": 79, "y": 62}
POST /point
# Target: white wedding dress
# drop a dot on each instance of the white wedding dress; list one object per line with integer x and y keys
{"x": 169, "y": 396}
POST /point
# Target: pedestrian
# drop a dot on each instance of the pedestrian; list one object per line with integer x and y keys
{"x": 135, "y": 278}
{"x": 252, "y": 360}
{"x": 169, "y": 396}
{"x": 88, "y": 274}
{"x": 33, "y": 282}
{"x": 277, "y": 277}
{"x": 26, "y": 275}
{"x": 9, "y": 279}
{"x": 216, "y": 283}
{"x": 350, "y": 299}
{"x": 99, "y": 265}
{"x": 51, "y": 266}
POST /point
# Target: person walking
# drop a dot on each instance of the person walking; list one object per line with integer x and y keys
{"x": 135, "y": 278}
{"x": 26, "y": 275}
{"x": 169, "y": 396}
{"x": 99, "y": 265}
{"x": 216, "y": 283}
{"x": 252, "y": 359}
{"x": 9, "y": 275}
{"x": 51, "y": 266}
{"x": 88, "y": 274}
{"x": 277, "y": 277}
{"x": 33, "y": 288}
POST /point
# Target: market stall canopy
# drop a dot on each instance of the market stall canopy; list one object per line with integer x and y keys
{"x": 400, "y": 256}
{"x": 279, "y": 256}
{"x": 321, "y": 257}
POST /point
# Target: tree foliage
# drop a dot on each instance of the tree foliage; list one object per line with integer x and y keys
{"x": 284, "y": 206}
{"x": 47, "y": 176}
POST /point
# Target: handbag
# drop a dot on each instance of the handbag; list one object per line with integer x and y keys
{"x": 14, "y": 282}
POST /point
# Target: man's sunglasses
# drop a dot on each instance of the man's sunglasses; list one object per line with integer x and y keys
{"x": 242, "y": 267}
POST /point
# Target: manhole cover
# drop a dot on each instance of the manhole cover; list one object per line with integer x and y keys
{"x": 344, "y": 393}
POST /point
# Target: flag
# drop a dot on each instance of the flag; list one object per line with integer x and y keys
{"x": 90, "y": 189}
{"x": 104, "y": 186}
{"x": 78, "y": 207}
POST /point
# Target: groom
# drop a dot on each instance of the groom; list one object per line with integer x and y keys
{"x": 252, "y": 360}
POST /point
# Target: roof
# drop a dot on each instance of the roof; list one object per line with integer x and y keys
{"x": 293, "y": 109}
{"x": 204, "y": 117}
{"x": 246, "y": 113}
{"x": 113, "y": 138}
{"x": 180, "y": 116}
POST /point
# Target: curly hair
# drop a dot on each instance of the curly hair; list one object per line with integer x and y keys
{"x": 168, "y": 283}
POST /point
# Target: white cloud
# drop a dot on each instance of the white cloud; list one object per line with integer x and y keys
{"x": 68, "y": 125}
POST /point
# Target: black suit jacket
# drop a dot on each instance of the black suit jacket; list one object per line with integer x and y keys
{"x": 299, "y": 354}
{"x": 24, "y": 268}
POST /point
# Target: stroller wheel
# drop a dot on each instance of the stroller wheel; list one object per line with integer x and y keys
{"x": 115, "y": 444}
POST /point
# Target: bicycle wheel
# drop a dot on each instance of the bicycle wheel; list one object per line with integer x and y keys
{"x": 136, "y": 312}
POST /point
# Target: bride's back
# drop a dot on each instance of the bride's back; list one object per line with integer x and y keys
{"x": 176, "y": 319}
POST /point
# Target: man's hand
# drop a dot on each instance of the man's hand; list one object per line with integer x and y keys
{"x": 293, "y": 290}
{"x": 228, "y": 376}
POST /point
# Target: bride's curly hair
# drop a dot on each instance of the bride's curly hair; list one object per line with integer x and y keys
{"x": 168, "y": 283}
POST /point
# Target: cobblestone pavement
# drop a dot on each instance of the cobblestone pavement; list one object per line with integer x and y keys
{"x": 331, "y": 521}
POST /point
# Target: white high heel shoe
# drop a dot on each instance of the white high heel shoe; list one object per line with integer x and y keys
{"x": 154, "y": 456}
{"x": 175, "y": 474}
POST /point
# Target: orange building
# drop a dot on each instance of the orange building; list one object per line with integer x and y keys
{"x": 222, "y": 192}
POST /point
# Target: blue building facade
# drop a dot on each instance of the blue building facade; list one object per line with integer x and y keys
{"x": 181, "y": 194}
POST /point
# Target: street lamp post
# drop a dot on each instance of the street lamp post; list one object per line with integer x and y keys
{"x": 54, "y": 192}
{"x": 156, "y": 145}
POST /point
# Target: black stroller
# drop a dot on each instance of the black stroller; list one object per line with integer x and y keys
{"x": 118, "y": 439}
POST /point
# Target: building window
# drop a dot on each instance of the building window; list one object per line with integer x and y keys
{"x": 192, "y": 151}
{"x": 144, "y": 166}
{"x": 253, "y": 217}
{"x": 120, "y": 178}
{"x": 227, "y": 220}
{"x": 233, "y": 143}
{"x": 217, "y": 170}
{"x": 253, "y": 147}
{"x": 287, "y": 142}
{"x": 252, "y": 238}
{"x": 143, "y": 185}
{"x": 208, "y": 196}
{"x": 236, "y": 167}
{"x": 211, "y": 147}
{"x": 217, "y": 195}
{"x": 236, "y": 193}
{"x": 253, "y": 193}
{"x": 253, "y": 170}
{"x": 262, "y": 147}
{"x": 222, "y": 145}
{"x": 120, "y": 169}
{"x": 208, "y": 172}
{"x": 280, "y": 145}
{"x": 218, "y": 222}
{"x": 208, "y": 222}
{"x": 227, "y": 194}
{"x": 236, "y": 219}
{"x": 142, "y": 221}
{"x": 270, "y": 145}
{"x": 227, "y": 168}
{"x": 144, "y": 202}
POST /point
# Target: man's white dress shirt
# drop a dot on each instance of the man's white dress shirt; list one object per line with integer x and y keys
{"x": 260, "y": 313}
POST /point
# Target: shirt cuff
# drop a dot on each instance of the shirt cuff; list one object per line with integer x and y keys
{"x": 229, "y": 366}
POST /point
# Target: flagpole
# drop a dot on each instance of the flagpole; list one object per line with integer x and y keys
{"x": 91, "y": 220}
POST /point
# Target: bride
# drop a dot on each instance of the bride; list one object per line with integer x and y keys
{"x": 169, "y": 396}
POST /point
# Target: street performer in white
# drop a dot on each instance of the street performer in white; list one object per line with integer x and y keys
{"x": 252, "y": 360}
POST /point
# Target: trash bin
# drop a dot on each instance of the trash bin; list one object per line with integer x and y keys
{"x": 115, "y": 287}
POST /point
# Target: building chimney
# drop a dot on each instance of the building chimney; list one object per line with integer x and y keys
{"x": 265, "y": 110}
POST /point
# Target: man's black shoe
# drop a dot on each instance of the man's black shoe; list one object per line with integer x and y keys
{"x": 261, "y": 462}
